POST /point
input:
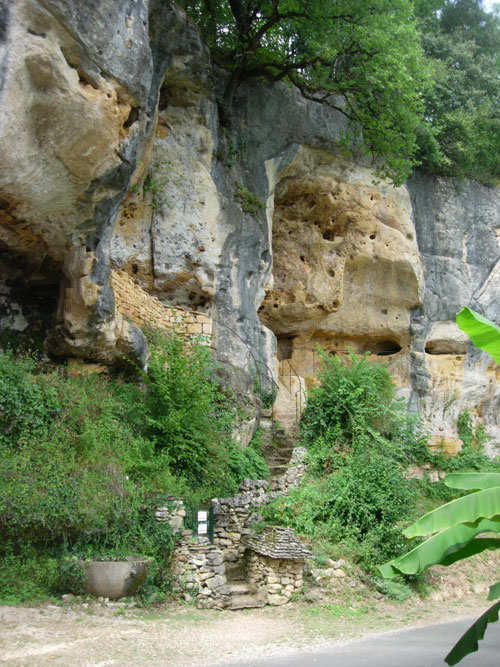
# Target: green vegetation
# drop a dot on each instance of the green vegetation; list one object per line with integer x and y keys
{"x": 84, "y": 462}
{"x": 367, "y": 51}
{"x": 155, "y": 183}
{"x": 460, "y": 135}
{"x": 250, "y": 203}
{"x": 417, "y": 80}
{"x": 464, "y": 527}
{"x": 360, "y": 443}
{"x": 357, "y": 497}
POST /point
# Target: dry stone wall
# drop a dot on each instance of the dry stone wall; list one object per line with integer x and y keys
{"x": 199, "y": 572}
{"x": 141, "y": 308}
{"x": 280, "y": 577}
{"x": 199, "y": 567}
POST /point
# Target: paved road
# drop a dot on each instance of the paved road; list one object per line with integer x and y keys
{"x": 420, "y": 647}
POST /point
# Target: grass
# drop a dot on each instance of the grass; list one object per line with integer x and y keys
{"x": 332, "y": 610}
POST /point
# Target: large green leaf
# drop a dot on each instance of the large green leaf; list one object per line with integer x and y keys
{"x": 472, "y": 481}
{"x": 446, "y": 547}
{"x": 494, "y": 591}
{"x": 474, "y": 547}
{"x": 468, "y": 642}
{"x": 468, "y": 509}
{"x": 483, "y": 333}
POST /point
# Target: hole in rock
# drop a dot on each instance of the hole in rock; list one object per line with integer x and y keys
{"x": 373, "y": 236}
{"x": 135, "y": 268}
{"x": 285, "y": 348}
{"x": 132, "y": 117}
{"x": 329, "y": 235}
{"x": 384, "y": 348}
{"x": 33, "y": 32}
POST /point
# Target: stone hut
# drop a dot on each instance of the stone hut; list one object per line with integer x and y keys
{"x": 275, "y": 563}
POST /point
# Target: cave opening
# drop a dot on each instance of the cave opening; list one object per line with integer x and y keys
{"x": 384, "y": 348}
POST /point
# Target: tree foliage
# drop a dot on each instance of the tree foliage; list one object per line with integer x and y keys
{"x": 361, "y": 57}
{"x": 461, "y": 132}
{"x": 417, "y": 79}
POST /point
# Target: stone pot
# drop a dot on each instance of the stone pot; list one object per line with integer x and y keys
{"x": 115, "y": 579}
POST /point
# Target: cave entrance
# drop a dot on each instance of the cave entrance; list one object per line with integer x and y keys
{"x": 384, "y": 348}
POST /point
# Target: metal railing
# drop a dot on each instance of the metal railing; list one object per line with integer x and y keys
{"x": 288, "y": 370}
{"x": 264, "y": 383}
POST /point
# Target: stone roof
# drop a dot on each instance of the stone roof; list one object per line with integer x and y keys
{"x": 277, "y": 542}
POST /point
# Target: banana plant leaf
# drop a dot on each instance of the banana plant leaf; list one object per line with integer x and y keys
{"x": 494, "y": 591}
{"x": 483, "y": 333}
{"x": 472, "y": 481}
{"x": 468, "y": 642}
{"x": 468, "y": 509}
{"x": 445, "y": 548}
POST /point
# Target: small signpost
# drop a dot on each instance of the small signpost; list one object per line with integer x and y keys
{"x": 201, "y": 521}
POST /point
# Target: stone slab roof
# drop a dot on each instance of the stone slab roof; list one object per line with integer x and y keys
{"x": 277, "y": 542}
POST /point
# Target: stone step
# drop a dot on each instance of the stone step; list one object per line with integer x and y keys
{"x": 266, "y": 422}
{"x": 278, "y": 457}
{"x": 246, "y": 602}
{"x": 277, "y": 470}
{"x": 242, "y": 588}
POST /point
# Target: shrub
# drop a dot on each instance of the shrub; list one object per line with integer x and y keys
{"x": 190, "y": 419}
{"x": 359, "y": 440}
{"x": 84, "y": 462}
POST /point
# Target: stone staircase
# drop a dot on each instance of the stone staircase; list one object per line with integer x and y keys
{"x": 243, "y": 595}
{"x": 290, "y": 401}
{"x": 278, "y": 452}
{"x": 278, "y": 444}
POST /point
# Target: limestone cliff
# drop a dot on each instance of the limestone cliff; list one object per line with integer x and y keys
{"x": 114, "y": 162}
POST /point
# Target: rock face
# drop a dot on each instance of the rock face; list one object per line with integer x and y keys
{"x": 458, "y": 229}
{"x": 346, "y": 266}
{"x": 113, "y": 159}
{"x": 79, "y": 89}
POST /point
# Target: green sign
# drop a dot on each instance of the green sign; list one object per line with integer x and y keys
{"x": 200, "y": 519}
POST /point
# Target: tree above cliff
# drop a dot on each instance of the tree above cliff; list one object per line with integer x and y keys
{"x": 361, "y": 57}
{"x": 461, "y": 132}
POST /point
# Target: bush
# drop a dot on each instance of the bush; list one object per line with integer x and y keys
{"x": 84, "y": 462}
{"x": 190, "y": 419}
{"x": 349, "y": 400}
{"x": 359, "y": 440}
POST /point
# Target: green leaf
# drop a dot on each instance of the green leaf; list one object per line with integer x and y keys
{"x": 474, "y": 547}
{"x": 472, "y": 481}
{"x": 481, "y": 505}
{"x": 494, "y": 591}
{"x": 468, "y": 642}
{"x": 483, "y": 333}
{"x": 445, "y": 548}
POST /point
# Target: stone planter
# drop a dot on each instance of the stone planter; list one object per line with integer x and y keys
{"x": 115, "y": 579}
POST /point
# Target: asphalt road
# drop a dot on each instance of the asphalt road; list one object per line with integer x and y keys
{"x": 419, "y": 647}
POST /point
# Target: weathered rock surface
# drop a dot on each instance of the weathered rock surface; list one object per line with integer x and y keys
{"x": 79, "y": 89}
{"x": 346, "y": 266}
{"x": 458, "y": 228}
{"x": 113, "y": 157}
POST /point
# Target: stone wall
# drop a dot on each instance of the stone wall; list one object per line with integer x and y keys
{"x": 234, "y": 516}
{"x": 199, "y": 568}
{"x": 199, "y": 572}
{"x": 141, "y": 308}
{"x": 280, "y": 577}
